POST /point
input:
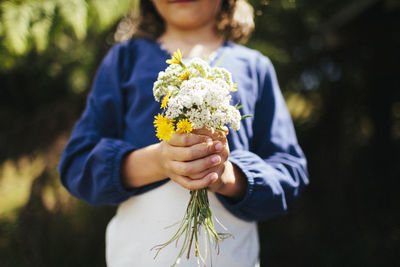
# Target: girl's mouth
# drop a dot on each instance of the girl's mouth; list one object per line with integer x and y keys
{"x": 181, "y": 1}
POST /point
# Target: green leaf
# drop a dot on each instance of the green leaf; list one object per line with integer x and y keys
{"x": 16, "y": 20}
{"x": 237, "y": 106}
{"x": 107, "y": 12}
{"x": 219, "y": 61}
{"x": 40, "y": 33}
{"x": 75, "y": 13}
{"x": 78, "y": 80}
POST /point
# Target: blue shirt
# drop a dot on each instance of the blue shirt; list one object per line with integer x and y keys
{"x": 119, "y": 115}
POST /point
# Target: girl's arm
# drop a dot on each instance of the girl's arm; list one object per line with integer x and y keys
{"x": 90, "y": 164}
{"x": 275, "y": 167}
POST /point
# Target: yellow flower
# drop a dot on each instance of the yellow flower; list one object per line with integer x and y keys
{"x": 234, "y": 88}
{"x": 158, "y": 119}
{"x": 164, "y": 127}
{"x": 184, "y": 126}
{"x": 165, "y": 100}
{"x": 176, "y": 58}
{"x": 184, "y": 76}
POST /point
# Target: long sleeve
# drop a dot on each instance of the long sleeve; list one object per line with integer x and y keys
{"x": 275, "y": 165}
{"x": 90, "y": 164}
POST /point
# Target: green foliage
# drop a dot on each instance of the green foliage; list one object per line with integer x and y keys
{"x": 34, "y": 24}
{"x": 106, "y": 12}
{"x": 49, "y": 52}
{"x": 74, "y": 14}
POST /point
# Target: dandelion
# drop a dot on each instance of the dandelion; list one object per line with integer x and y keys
{"x": 184, "y": 76}
{"x": 165, "y": 100}
{"x": 184, "y": 126}
{"x": 176, "y": 58}
{"x": 164, "y": 127}
{"x": 158, "y": 119}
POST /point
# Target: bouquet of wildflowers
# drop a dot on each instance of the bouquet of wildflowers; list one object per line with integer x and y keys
{"x": 194, "y": 96}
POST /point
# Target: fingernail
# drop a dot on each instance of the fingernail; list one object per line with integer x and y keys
{"x": 218, "y": 147}
{"x": 209, "y": 141}
{"x": 213, "y": 177}
{"x": 215, "y": 159}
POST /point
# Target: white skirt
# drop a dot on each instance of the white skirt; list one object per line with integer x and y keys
{"x": 140, "y": 224}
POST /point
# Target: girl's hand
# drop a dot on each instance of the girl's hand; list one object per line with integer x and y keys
{"x": 219, "y": 137}
{"x": 188, "y": 159}
{"x": 194, "y": 161}
{"x": 231, "y": 181}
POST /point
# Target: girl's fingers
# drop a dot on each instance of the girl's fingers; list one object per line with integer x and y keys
{"x": 214, "y": 134}
{"x": 186, "y": 140}
{"x": 204, "y": 173}
{"x": 196, "y": 184}
{"x": 195, "y": 166}
{"x": 197, "y": 151}
{"x": 204, "y": 131}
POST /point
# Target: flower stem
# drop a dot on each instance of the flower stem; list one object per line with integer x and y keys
{"x": 198, "y": 214}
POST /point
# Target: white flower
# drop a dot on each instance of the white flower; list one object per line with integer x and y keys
{"x": 221, "y": 73}
{"x": 203, "y": 98}
{"x": 198, "y": 68}
{"x": 234, "y": 117}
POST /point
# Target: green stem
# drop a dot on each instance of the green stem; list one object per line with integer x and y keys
{"x": 198, "y": 214}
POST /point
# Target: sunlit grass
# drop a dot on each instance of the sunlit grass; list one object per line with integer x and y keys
{"x": 16, "y": 178}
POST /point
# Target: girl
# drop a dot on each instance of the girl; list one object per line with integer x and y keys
{"x": 114, "y": 158}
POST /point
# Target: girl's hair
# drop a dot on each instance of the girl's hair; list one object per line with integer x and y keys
{"x": 235, "y": 21}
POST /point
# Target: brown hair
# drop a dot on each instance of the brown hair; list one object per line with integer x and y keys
{"x": 235, "y": 21}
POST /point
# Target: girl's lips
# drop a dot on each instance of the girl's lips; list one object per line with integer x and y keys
{"x": 181, "y": 1}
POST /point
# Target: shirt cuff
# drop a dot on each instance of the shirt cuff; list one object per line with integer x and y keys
{"x": 120, "y": 149}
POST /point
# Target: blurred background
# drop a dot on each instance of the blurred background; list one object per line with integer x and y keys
{"x": 338, "y": 67}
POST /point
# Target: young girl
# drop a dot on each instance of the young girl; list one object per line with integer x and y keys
{"x": 114, "y": 157}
